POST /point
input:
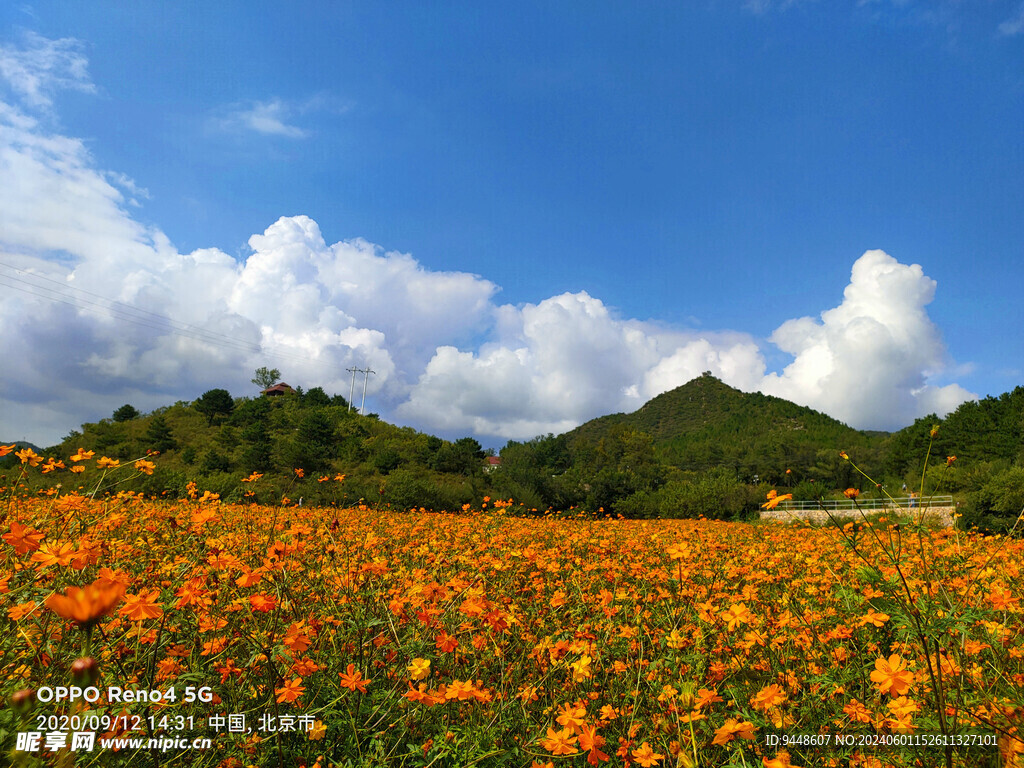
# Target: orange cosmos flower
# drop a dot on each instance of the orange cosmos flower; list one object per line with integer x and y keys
{"x": 24, "y": 538}
{"x": 892, "y": 676}
{"x": 353, "y": 679}
{"x": 774, "y": 499}
{"x": 736, "y": 615}
{"x": 144, "y": 605}
{"x": 875, "y": 619}
{"x": 733, "y": 729}
{"x": 192, "y": 592}
{"x": 851, "y": 493}
{"x": 857, "y": 712}
{"x": 560, "y": 742}
{"x": 290, "y": 691}
{"x": 86, "y": 605}
{"x": 678, "y": 551}
{"x": 250, "y": 579}
{"x": 571, "y": 716}
{"x": 300, "y": 473}
{"x": 263, "y": 603}
{"x": 317, "y": 731}
{"x": 83, "y": 454}
{"x": 419, "y": 669}
{"x": 145, "y": 467}
{"x": 460, "y": 690}
{"x": 5, "y": 449}
{"x": 771, "y": 696}
{"x": 591, "y": 743}
{"x": 706, "y": 698}
{"x": 950, "y": 460}
{"x": 28, "y": 456}
{"x": 78, "y": 468}
{"x": 18, "y": 612}
{"x": 446, "y": 643}
{"x": 54, "y": 554}
{"x": 781, "y": 760}
{"x": 105, "y": 462}
{"x": 646, "y": 756}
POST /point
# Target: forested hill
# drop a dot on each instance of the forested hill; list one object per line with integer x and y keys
{"x": 706, "y": 423}
{"x": 701, "y": 449}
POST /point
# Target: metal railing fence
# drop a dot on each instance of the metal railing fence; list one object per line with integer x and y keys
{"x": 903, "y": 502}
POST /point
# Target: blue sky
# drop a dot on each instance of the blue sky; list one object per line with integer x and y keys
{"x": 522, "y": 217}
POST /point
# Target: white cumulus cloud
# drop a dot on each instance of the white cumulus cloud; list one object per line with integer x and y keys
{"x": 99, "y": 309}
{"x": 868, "y": 361}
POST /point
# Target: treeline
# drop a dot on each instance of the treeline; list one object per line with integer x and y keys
{"x": 703, "y": 449}
{"x": 706, "y": 449}
{"x": 218, "y": 439}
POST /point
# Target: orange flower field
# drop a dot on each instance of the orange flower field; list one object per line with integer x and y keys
{"x": 293, "y": 636}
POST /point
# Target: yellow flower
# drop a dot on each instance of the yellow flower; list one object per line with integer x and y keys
{"x": 145, "y": 467}
{"x": 419, "y": 668}
{"x": 892, "y": 676}
{"x": 28, "y": 456}
{"x": 774, "y": 499}
{"x": 317, "y": 731}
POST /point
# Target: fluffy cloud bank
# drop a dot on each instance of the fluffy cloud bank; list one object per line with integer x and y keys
{"x": 99, "y": 310}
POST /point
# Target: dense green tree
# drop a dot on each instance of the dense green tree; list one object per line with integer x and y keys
{"x": 215, "y": 404}
{"x": 215, "y": 461}
{"x": 158, "y": 435}
{"x": 314, "y": 444}
{"x": 316, "y": 398}
{"x": 463, "y": 457}
{"x": 997, "y": 505}
{"x": 252, "y": 411}
{"x": 125, "y": 413}
{"x": 387, "y": 459}
{"x": 716, "y": 495}
{"x": 257, "y": 442}
{"x": 265, "y": 377}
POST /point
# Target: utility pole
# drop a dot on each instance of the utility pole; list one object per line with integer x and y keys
{"x": 352, "y": 387}
{"x": 366, "y": 377}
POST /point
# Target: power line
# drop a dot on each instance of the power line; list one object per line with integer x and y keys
{"x": 140, "y": 317}
{"x": 125, "y": 311}
{"x": 115, "y": 305}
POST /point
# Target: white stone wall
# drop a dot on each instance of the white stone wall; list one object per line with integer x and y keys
{"x": 942, "y": 515}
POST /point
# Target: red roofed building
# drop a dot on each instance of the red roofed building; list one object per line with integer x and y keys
{"x": 278, "y": 389}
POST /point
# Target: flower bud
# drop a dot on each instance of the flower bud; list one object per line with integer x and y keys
{"x": 687, "y": 697}
{"x": 23, "y": 702}
{"x": 85, "y": 671}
